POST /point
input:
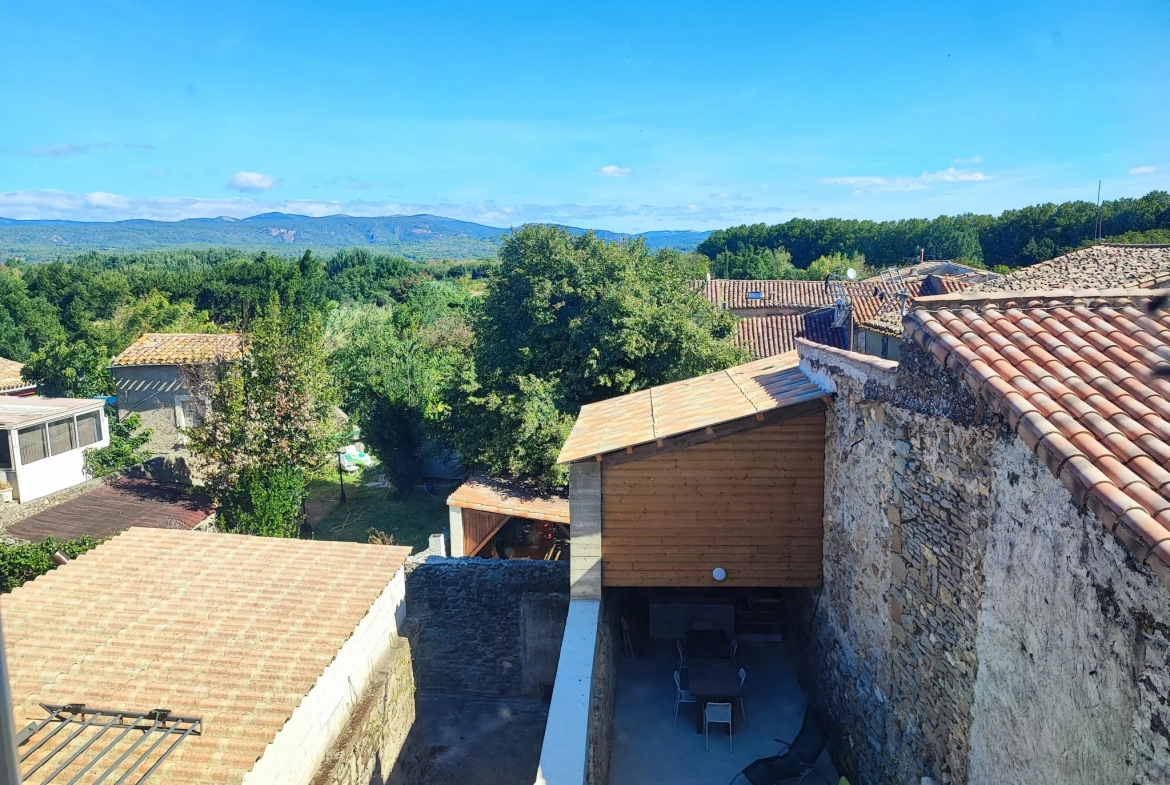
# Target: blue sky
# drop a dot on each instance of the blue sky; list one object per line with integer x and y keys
{"x": 623, "y": 116}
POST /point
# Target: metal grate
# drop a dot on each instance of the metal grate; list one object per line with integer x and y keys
{"x": 100, "y": 745}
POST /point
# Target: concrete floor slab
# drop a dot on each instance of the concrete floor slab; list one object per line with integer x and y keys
{"x": 649, "y": 750}
{"x": 479, "y": 741}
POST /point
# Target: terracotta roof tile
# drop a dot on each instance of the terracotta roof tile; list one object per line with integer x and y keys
{"x": 1100, "y": 267}
{"x": 232, "y": 628}
{"x": 10, "y": 376}
{"x": 689, "y": 405}
{"x": 179, "y": 349}
{"x": 489, "y": 495}
{"x": 766, "y": 336}
{"x": 1073, "y": 374}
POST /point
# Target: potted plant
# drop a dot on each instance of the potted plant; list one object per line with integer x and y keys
{"x": 5, "y": 492}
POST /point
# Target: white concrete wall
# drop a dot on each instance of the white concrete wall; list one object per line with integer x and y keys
{"x": 299, "y": 748}
{"x": 455, "y": 515}
{"x": 55, "y": 473}
{"x": 566, "y": 734}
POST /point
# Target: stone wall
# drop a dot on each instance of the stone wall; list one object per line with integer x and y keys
{"x": 598, "y": 744}
{"x": 378, "y": 745}
{"x": 974, "y": 625}
{"x": 486, "y": 626}
{"x": 1074, "y": 645}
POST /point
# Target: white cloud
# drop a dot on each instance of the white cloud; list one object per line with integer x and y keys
{"x": 866, "y": 184}
{"x": 58, "y": 150}
{"x": 614, "y": 171}
{"x": 975, "y": 159}
{"x": 251, "y": 181}
{"x": 1142, "y": 169}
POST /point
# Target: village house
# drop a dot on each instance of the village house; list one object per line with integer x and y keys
{"x": 43, "y": 442}
{"x": 11, "y": 382}
{"x": 854, "y": 315}
{"x": 159, "y": 377}
{"x": 971, "y": 548}
{"x": 197, "y": 658}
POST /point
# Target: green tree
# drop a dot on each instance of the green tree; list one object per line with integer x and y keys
{"x": 70, "y": 369}
{"x": 567, "y": 321}
{"x": 394, "y": 369}
{"x": 268, "y": 424}
{"x": 126, "y": 447}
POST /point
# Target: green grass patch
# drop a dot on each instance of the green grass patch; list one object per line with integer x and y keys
{"x": 410, "y": 520}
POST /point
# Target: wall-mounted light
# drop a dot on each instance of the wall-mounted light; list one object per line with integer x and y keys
{"x": 718, "y": 573}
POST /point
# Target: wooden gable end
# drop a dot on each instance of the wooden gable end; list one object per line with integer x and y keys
{"x": 751, "y": 503}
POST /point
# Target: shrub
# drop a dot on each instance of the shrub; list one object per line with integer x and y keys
{"x": 20, "y": 563}
{"x": 126, "y": 448}
{"x": 265, "y": 502}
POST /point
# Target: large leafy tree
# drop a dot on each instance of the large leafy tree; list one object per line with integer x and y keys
{"x": 70, "y": 369}
{"x": 569, "y": 320}
{"x": 267, "y": 425}
{"x": 393, "y": 369}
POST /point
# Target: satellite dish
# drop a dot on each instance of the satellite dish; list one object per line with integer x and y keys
{"x": 851, "y": 274}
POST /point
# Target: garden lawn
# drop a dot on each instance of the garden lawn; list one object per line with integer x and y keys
{"x": 411, "y": 520}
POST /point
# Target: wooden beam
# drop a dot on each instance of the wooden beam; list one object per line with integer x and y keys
{"x": 690, "y": 439}
{"x": 475, "y": 551}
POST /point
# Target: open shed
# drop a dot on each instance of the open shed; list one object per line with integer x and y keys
{"x": 533, "y": 524}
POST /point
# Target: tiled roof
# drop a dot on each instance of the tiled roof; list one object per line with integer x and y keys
{"x": 775, "y": 294}
{"x": 10, "y": 376}
{"x": 490, "y": 495}
{"x": 1072, "y": 373}
{"x": 690, "y": 405}
{"x": 881, "y": 312}
{"x": 766, "y": 336}
{"x": 1099, "y": 267}
{"x": 179, "y": 349}
{"x": 232, "y": 628}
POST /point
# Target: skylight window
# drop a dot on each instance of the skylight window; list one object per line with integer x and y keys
{"x": 755, "y": 295}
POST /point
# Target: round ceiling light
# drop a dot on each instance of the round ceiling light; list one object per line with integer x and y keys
{"x": 718, "y": 573}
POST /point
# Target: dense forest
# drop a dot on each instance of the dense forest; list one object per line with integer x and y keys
{"x": 1014, "y": 239}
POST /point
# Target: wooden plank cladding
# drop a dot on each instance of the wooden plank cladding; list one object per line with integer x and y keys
{"x": 478, "y": 526}
{"x": 751, "y": 503}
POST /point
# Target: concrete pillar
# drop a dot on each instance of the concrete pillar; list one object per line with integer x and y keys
{"x": 585, "y": 531}
{"x": 456, "y": 517}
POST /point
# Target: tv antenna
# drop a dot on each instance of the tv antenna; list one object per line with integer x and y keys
{"x": 1097, "y": 236}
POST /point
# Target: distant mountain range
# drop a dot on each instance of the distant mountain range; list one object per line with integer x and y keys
{"x": 417, "y": 237}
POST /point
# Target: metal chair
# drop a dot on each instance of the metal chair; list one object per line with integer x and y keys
{"x": 682, "y": 661}
{"x": 734, "y": 647}
{"x": 681, "y": 693}
{"x": 718, "y": 713}
{"x": 742, "y": 710}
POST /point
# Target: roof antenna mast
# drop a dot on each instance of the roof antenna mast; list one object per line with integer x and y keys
{"x": 1097, "y": 236}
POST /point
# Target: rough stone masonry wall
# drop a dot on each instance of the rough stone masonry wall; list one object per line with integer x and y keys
{"x": 1074, "y": 643}
{"x": 974, "y": 625}
{"x": 377, "y": 746}
{"x": 488, "y": 627}
{"x": 894, "y": 632}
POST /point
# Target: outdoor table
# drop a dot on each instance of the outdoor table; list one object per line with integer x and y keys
{"x": 707, "y": 643}
{"x": 714, "y": 679}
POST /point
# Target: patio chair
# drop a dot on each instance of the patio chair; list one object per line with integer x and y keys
{"x": 681, "y": 693}
{"x": 734, "y": 647}
{"x": 742, "y": 710}
{"x": 717, "y": 713}
{"x": 797, "y": 758}
{"x": 682, "y": 661}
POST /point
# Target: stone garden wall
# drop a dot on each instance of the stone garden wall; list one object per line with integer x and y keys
{"x": 488, "y": 627}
